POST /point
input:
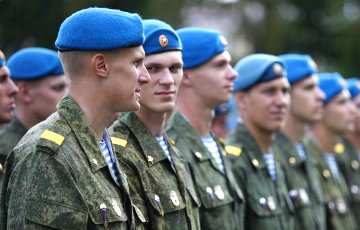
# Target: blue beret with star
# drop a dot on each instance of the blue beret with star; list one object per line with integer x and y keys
{"x": 2, "y": 59}
{"x": 331, "y": 84}
{"x": 257, "y": 68}
{"x": 353, "y": 85}
{"x": 34, "y": 62}
{"x": 200, "y": 45}
{"x": 160, "y": 37}
{"x": 298, "y": 66}
{"x": 100, "y": 29}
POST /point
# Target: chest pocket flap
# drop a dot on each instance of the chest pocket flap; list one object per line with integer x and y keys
{"x": 215, "y": 195}
{"x": 113, "y": 207}
{"x": 166, "y": 201}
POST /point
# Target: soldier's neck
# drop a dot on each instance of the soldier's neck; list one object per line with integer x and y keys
{"x": 27, "y": 118}
{"x": 325, "y": 137}
{"x": 154, "y": 121}
{"x": 354, "y": 139}
{"x": 198, "y": 115}
{"x": 295, "y": 129}
{"x": 262, "y": 137}
{"x": 97, "y": 114}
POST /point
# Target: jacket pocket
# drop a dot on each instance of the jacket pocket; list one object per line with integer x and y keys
{"x": 55, "y": 215}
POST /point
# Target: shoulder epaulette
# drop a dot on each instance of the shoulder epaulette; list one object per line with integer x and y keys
{"x": 339, "y": 148}
{"x": 233, "y": 150}
{"x": 118, "y": 141}
{"x": 53, "y": 137}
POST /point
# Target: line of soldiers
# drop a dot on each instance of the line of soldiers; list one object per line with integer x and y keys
{"x": 157, "y": 165}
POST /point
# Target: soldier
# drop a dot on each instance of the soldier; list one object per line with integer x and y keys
{"x": 207, "y": 83}
{"x": 324, "y": 143}
{"x": 38, "y": 74}
{"x": 8, "y": 90}
{"x": 349, "y": 160}
{"x": 160, "y": 184}
{"x": 302, "y": 178}
{"x": 59, "y": 175}
{"x": 262, "y": 96}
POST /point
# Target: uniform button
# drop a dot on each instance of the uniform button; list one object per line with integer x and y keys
{"x": 255, "y": 162}
{"x": 355, "y": 164}
{"x": 150, "y": 159}
{"x": 95, "y": 161}
{"x": 1, "y": 167}
{"x": 326, "y": 173}
{"x": 292, "y": 160}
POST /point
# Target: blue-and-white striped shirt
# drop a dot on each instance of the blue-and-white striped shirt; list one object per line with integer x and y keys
{"x": 300, "y": 149}
{"x": 164, "y": 146}
{"x": 211, "y": 145}
{"x": 110, "y": 160}
{"x": 330, "y": 159}
{"x": 270, "y": 164}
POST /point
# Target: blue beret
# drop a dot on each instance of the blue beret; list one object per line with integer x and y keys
{"x": 200, "y": 45}
{"x": 160, "y": 37}
{"x": 257, "y": 68}
{"x": 100, "y": 29}
{"x": 331, "y": 84}
{"x": 353, "y": 85}
{"x": 298, "y": 66}
{"x": 2, "y": 59}
{"x": 34, "y": 62}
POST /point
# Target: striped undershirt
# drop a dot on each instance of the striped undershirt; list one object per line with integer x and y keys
{"x": 270, "y": 164}
{"x": 211, "y": 145}
{"x": 110, "y": 160}
{"x": 330, "y": 159}
{"x": 164, "y": 146}
{"x": 300, "y": 149}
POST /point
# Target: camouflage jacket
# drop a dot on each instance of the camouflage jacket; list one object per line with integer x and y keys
{"x": 303, "y": 182}
{"x": 10, "y": 135}
{"x": 339, "y": 215}
{"x": 348, "y": 162}
{"x": 222, "y": 199}
{"x": 268, "y": 203}
{"x": 57, "y": 178}
{"x": 163, "y": 191}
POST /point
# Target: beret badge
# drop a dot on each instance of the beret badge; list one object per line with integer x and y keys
{"x": 163, "y": 41}
{"x": 277, "y": 69}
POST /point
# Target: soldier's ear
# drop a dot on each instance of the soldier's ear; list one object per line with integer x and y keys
{"x": 24, "y": 94}
{"x": 100, "y": 65}
{"x": 186, "y": 79}
{"x": 240, "y": 99}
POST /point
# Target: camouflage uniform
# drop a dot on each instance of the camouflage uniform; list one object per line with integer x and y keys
{"x": 58, "y": 178}
{"x": 349, "y": 165}
{"x": 339, "y": 215}
{"x": 163, "y": 191}
{"x": 9, "y": 137}
{"x": 303, "y": 182}
{"x": 268, "y": 203}
{"x": 222, "y": 199}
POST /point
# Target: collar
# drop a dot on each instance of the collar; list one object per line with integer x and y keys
{"x": 147, "y": 141}
{"x": 78, "y": 122}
